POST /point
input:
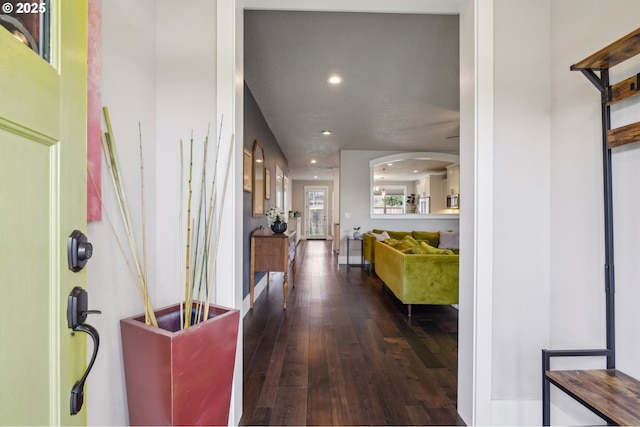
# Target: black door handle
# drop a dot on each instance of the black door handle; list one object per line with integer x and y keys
{"x": 77, "y": 391}
{"x": 77, "y": 304}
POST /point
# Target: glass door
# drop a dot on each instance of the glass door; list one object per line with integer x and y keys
{"x": 315, "y": 218}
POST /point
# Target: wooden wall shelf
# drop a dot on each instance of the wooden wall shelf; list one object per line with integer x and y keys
{"x": 617, "y": 52}
{"x": 624, "y": 135}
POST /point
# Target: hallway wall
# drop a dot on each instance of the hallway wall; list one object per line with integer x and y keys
{"x": 164, "y": 81}
{"x": 577, "y": 310}
{"x": 256, "y": 128}
{"x": 128, "y": 89}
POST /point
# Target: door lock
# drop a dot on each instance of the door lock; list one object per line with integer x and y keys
{"x": 79, "y": 250}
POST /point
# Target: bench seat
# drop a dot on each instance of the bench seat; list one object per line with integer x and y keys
{"x": 609, "y": 393}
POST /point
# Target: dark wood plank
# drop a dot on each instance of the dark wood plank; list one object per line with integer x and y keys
{"x": 290, "y": 407}
{"x": 606, "y": 391}
{"x": 319, "y": 409}
{"x": 295, "y": 368}
{"x": 624, "y": 135}
{"x": 613, "y": 54}
{"x": 274, "y": 370}
{"x": 345, "y": 353}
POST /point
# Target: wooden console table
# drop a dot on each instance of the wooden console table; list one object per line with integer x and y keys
{"x": 272, "y": 252}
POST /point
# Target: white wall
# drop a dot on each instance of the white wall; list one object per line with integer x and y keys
{"x": 577, "y": 228}
{"x": 185, "y": 103}
{"x": 521, "y": 205}
{"x": 128, "y": 89}
{"x": 159, "y": 69}
{"x": 467, "y": 313}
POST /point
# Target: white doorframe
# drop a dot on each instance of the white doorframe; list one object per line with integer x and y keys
{"x": 474, "y": 363}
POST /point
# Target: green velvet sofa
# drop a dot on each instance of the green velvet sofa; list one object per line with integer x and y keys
{"x": 368, "y": 240}
{"x": 418, "y": 278}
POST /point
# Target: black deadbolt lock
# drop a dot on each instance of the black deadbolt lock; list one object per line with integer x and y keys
{"x": 79, "y": 250}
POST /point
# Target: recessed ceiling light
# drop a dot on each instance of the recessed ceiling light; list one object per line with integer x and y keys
{"x": 335, "y": 79}
{"x": 326, "y": 132}
{"x": 315, "y": 177}
{"x": 313, "y": 161}
{"x": 415, "y": 171}
{"x": 389, "y": 164}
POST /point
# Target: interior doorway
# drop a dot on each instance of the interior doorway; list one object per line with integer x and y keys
{"x": 315, "y": 212}
{"x": 474, "y": 383}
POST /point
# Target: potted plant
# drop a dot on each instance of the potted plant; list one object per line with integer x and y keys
{"x": 178, "y": 360}
{"x": 277, "y": 220}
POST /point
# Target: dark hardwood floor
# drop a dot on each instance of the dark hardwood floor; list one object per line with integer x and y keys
{"x": 345, "y": 353}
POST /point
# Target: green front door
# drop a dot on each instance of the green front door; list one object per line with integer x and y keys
{"x": 42, "y": 200}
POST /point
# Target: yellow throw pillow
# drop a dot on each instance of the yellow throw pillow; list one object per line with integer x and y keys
{"x": 392, "y": 242}
{"x": 428, "y": 249}
{"x": 411, "y": 240}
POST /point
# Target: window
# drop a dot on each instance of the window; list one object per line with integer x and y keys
{"x": 29, "y": 22}
{"x": 389, "y": 200}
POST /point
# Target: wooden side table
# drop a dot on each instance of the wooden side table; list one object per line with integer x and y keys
{"x": 349, "y": 265}
{"x": 272, "y": 252}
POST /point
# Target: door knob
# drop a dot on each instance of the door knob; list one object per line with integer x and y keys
{"x": 79, "y": 250}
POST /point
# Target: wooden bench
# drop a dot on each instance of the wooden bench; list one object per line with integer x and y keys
{"x": 611, "y": 394}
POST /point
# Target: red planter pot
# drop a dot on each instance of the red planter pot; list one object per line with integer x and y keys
{"x": 180, "y": 377}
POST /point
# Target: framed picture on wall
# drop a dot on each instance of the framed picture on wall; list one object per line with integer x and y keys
{"x": 247, "y": 167}
{"x": 258, "y": 179}
{"x": 267, "y": 184}
{"x": 279, "y": 188}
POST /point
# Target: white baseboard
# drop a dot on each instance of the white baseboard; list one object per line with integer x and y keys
{"x": 257, "y": 291}
{"x": 516, "y": 412}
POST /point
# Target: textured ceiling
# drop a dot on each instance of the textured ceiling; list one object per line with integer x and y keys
{"x": 400, "y": 90}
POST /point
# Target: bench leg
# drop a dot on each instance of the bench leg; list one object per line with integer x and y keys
{"x": 409, "y": 309}
{"x": 546, "y": 403}
{"x": 546, "y": 390}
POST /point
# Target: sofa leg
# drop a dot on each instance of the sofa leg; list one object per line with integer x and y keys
{"x": 409, "y": 309}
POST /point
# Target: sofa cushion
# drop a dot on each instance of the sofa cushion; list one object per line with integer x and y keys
{"x": 431, "y": 237}
{"x": 449, "y": 240}
{"x": 428, "y": 249}
{"x": 399, "y": 234}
